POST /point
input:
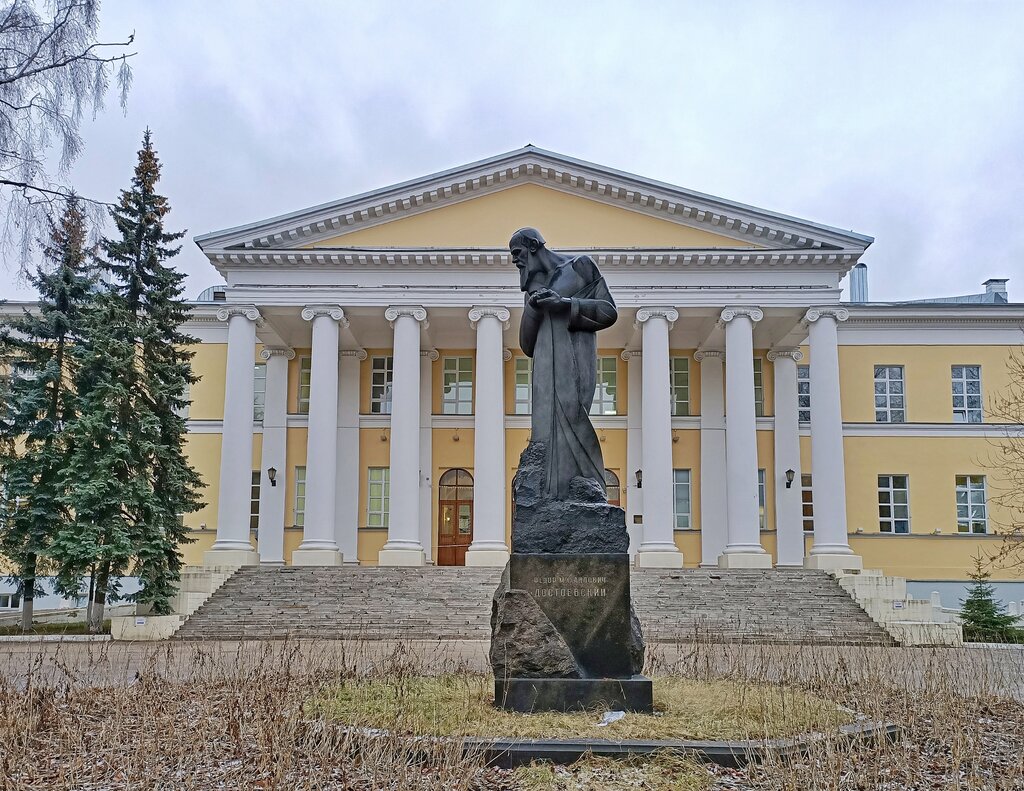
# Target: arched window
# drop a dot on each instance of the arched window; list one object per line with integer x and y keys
{"x": 611, "y": 482}
{"x": 456, "y": 484}
{"x": 455, "y": 507}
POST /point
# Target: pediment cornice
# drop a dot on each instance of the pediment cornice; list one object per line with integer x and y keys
{"x": 747, "y": 225}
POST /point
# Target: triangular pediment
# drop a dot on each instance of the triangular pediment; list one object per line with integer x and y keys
{"x": 573, "y": 203}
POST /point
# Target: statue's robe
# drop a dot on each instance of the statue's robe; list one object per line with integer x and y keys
{"x": 563, "y": 346}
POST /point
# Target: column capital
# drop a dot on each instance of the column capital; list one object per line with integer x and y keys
{"x": 671, "y": 315}
{"x": 794, "y": 354}
{"x": 431, "y": 353}
{"x": 277, "y": 351}
{"x": 249, "y": 311}
{"x": 702, "y": 354}
{"x": 752, "y": 313}
{"x": 417, "y": 312}
{"x": 628, "y": 354}
{"x": 834, "y": 312}
{"x": 335, "y": 312}
{"x": 478, "y": 312}
{"x": 359, "y": 354}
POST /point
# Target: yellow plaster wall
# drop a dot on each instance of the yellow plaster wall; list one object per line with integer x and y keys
{"x": 207, "y": 394}
{"x": 943, "y": 557}
{"x": 688, "y": 542}
{"x": 766, "y": 461}
{"x": 565, "y": 220}
{"x": 927, "y": 378}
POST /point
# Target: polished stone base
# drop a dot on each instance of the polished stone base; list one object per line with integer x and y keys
{"x": 745, "y": 560}
{"x": 316, "y": 557}
{"x": 833, "y": 562}
{"x": 529, "y": 695}
{"x": 230, "y": 558}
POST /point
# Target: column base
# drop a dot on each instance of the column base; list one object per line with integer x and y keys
{"x": 744, "y": 560}
{"x": 487, "y": 557}
{"x": 231, "y": 557}
{"x": 401, "y": 557}
{"x": 659, "y": 559}
{"x": 830, "y": 562}
{"x": 316, "y": 557}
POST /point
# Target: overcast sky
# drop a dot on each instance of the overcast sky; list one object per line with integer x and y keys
{"x": 903, "y": 121}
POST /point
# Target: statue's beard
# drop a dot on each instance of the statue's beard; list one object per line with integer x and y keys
{"x": 532, "y": 279}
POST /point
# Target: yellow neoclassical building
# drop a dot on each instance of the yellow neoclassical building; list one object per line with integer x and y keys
{"x": 363, "y": 398}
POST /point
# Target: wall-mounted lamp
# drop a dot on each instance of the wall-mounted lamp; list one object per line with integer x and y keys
{"x": 602, "y": 437}
{"x": 639, "y": 479}
{"x": 455, "y": 436}
{"x": 272, "y": 475}
{"x": 790, "y": 474}
{"x": 675, "y": 437}
{"x": 383, "y": 436}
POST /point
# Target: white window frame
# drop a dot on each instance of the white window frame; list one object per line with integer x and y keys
{"x": 522, "y": 385}
{"x": 891, "y": 498}
{"x": 378, "y": 506}
{"x": 886, "y": 411}
{"x": 382, "y": 374}
{"x": 254, "y": 501}
{"x": 299, "y": 510}
{"x": 682, "y": 481}
{"x": 758, "y": 387}
{"x": 606, "y": 392}
{"x": 969, "y": 407}
{"x": 971, "y": 511}
{"x": 259, "y": 391}
{"x": 10, "y": 601}
{"x": 305, "y": 379}
{"x": 807, "y": 502}
{"x": 762, "y": 498}
{"x": 679, "y": 372}
{"x": 803, "y": 393}
{"x": 457, "y": 395}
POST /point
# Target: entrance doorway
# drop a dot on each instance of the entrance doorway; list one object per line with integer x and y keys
{"x": 455, "y": 515}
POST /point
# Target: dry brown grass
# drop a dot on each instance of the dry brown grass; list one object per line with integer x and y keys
{"x": 462, "y": 705}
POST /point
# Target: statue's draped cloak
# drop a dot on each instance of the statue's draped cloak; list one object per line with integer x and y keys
{"x": 563, "y": 346}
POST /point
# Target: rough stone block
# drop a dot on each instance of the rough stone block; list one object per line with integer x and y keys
{"x": 575, "y": 694}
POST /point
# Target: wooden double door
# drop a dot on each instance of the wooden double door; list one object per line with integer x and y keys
{"x": 455, "y": 517}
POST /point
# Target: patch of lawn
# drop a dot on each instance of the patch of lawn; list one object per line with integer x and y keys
{"x": 52, "y": 628}
{"x": 462, "y": 705}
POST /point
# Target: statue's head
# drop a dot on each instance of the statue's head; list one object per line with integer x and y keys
{"x": 524, "y": 246}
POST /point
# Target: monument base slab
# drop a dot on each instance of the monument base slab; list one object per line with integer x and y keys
{"x": 527, "y": 695}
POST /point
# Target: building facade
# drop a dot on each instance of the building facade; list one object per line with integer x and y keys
{"x": 363, "y": 398}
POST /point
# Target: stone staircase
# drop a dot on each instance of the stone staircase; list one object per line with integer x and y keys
{"x": 431, "y": 603}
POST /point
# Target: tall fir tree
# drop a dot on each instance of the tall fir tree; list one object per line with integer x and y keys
{"x": 983, "y": 618}
{"x": 128, "y": 476}
{"x": 41, "y": 401}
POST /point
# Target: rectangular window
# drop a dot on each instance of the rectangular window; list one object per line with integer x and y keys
{"x": 457, "y": 395}
{"x": 971, "y": 507}
{"x": 378, "y": 496}
{"x": 890, "y": 403}
{"x": 680, "y": 374}
{"x": 966, "y": 393}
{"x": 762, "y": 511}
{"x": 300, "y": 496}
{"x": 523, "y": 385}
{"x": 10, "y": 601}
{"x": 254, "y": 501}
{"x": 893, "y": 504}
{"x": 305, "y": 373}
{"x": 803, "y": 393}
{"x": 259, "y": 391}
{"x": 681, "y": 490}
{"x": 758, "y": 388}
{"x": 807, "y": 503}
{"x": 381, "y": 373}
{"x": 604, "y": 394}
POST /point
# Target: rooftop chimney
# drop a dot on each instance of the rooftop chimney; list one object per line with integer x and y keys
{"x": 997, "y": 286}
{"x": 859, "y": 283}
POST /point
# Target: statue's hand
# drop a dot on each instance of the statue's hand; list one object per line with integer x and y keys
{"x": 547, "y": 300}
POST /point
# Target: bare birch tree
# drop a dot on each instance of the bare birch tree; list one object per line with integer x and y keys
{"x": 1006, "y": 460}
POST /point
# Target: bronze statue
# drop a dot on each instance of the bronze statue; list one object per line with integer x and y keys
{"x": 566, "y": 303}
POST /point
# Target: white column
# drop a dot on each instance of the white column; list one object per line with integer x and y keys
{"x": 274, "y": 456}
{"x": 346, "y": 502}
{"x": 789, "y": 530}
{"x": 318, "y": 547}
{"x": 232, "y": 547}
{"x": 403, "y": 547}
{"x": 427, "y": 359}
{"x": 831, "y": 548}
{"x": 658, "y": 549}
{"x": 489, "y": 496}
{"x": 634, "y": 449}
{"x": 744, "y": 548}
{"x": 714, "y": 519}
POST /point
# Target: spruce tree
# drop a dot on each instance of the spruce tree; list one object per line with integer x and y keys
{"x": 128, "y": 476}
{"x": 41, "y": 401}
{"x": 982, "y": 616}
